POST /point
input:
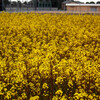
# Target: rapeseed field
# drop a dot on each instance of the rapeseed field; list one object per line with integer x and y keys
{"x": 49, "y": 56}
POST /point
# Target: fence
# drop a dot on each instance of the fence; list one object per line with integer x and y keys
{"x": 25, "y": 5}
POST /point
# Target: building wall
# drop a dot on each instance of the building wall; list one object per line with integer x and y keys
{"x": 82, "y": 8}
{"x": 98, "y": 9}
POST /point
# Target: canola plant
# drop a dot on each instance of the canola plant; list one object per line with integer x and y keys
{"x": 49, "y": 56}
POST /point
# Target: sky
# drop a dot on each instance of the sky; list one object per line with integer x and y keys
{"x": 74, "y": 0}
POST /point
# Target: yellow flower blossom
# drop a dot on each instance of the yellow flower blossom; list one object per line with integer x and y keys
{"x": 49, "y": 56}
{"x": 34, "y": 98}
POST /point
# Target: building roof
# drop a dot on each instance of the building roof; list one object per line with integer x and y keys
{"x": 66, "y": 2}
{"x": 82, "y": 4}
{"x": 77, "y": 2}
